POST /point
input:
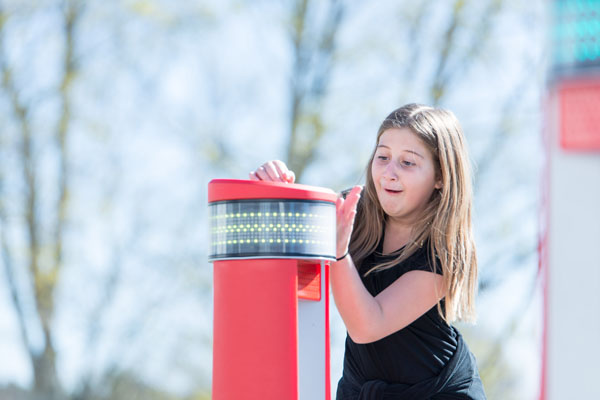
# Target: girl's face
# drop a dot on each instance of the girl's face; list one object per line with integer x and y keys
{"x": 404, "y": 175}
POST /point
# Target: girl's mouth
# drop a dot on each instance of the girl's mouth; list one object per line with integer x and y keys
{"x": 393, "y": 191}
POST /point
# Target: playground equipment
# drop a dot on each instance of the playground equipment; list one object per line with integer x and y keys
{"x": 271, "y": 244}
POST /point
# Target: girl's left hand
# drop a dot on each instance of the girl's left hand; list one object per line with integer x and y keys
{"x": 345, "y": 213}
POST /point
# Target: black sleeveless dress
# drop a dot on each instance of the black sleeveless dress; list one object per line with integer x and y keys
{"x": 428, "y": 359}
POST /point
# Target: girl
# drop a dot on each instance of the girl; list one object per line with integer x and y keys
{"x": 406, "y": 262}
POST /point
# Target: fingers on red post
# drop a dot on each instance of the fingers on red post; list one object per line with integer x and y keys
{"x": 285, "y": 173}
{"x": 282, "y": 170}
{"x": 261, "y": 174}
{"x": 291, "y": 176}
{"x": 275, "y": 171}
{"x": 271, "y": 171}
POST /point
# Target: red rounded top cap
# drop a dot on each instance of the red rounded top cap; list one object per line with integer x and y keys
{"x": 237, "y": 189}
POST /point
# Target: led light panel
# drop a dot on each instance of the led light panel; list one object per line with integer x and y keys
{"x": 272, "y": 229}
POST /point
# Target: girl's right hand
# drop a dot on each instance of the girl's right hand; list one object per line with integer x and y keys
{"x": 274, "y": 171}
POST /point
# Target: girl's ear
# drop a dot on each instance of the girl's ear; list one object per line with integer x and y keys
{"x": 438, "y": 184}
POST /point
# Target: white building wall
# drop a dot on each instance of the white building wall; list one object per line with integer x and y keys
{"x": 573, "y": 329}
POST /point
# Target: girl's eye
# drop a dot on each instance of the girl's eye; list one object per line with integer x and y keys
{"x": 408, "y": 163}
{"x": 382, "y": 158}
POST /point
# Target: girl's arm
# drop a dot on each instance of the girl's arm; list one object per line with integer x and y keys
{"x": 369, "y": 318}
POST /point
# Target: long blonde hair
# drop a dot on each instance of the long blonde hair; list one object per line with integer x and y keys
{"x": 446, "y": 221}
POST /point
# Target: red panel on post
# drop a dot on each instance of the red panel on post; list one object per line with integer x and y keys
{"x": 579, "y": 102}
{"x": 255, "y": 333}
{"x": 309, "y": 281}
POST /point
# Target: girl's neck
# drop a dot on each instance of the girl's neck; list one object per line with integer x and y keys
{"x": 396, "y": 236}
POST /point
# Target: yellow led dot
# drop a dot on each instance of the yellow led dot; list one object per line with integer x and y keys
{"x": 297, "y": 229}
{"x": 291, "y": 229}
{"x": 279, "y": 225}
{"x": 260, "y": 229}
{"x": 270, "y": 225}
{"x": 297, "y": 214}
{"x": 270, "y": 240}
{"x": 300, "y": 225}
{"x": 293, "y": 225}
{"x": 251, "y": 229}
{"x": 267, "y": 229}
{"x": 237, "y": 230}
{"x": 247, "y": 225}
{"x": 229, "y": 242}
{"x": 303, "y": 214}
{"x": 300, "y": 241}
{"x": 237, "y": 215}
{"x": 274, "y": 214}
{"x": 256, "y": 225}
{"x": 293, "y": 240}
{"x": 286, "y": 225}
{"x": 245, "y": 214}
{"x": 231, "y": 215}
{"x": 234, "y": 241}
{"x": 248, "y": 241}
{"x": 262, "y": 240}
{"x": 267, "y": 214}
{"x": 255, "y": 240}
{"x": 289, "y": 214}
{"x": 259, "y": 214}
{"x": 285, "y": 241}
{"x": 274, "y": 229}
{"x": 303, "y": 229}
{"x": 263, "y": 225}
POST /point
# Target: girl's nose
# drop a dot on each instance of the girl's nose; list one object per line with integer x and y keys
{"x": 390, "y": 172}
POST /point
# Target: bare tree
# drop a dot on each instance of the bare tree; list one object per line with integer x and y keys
{"x": 313, "y": 45}
{"x": 43, "y": 272}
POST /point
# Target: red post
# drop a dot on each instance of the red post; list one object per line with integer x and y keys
{"x": 271, "y": 244}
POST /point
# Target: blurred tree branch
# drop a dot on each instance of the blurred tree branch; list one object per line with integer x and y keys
{"x": 313, "y": 55}
{"x": 479, "y": 39}
{"x": 43, "y": 276}
{"x": 440, "y": 79}
{"x": 415, "y": 23}
{"x": 7, "y": 257}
